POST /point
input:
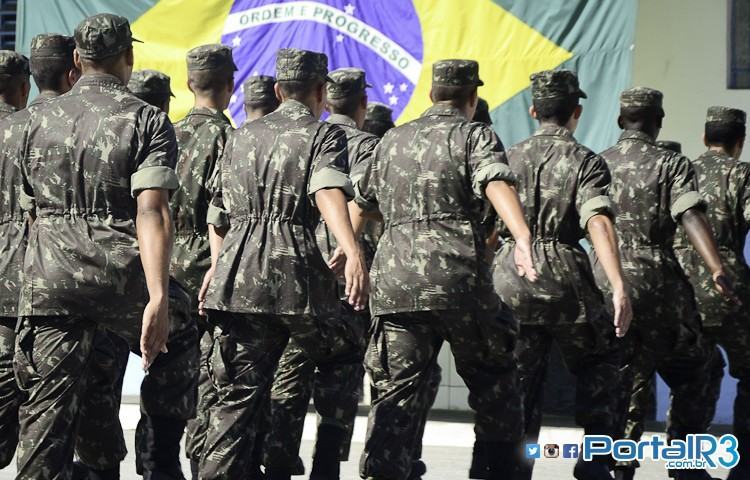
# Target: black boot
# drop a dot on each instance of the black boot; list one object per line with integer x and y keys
{"x": 326, "y": 458}
{"x": 299, "y": 467}
{"x": 194, "y": 469}
{"x": 84, "y": 472}
{"x": 479, "y": 468}
{"x": 418, "y": 468}
{"x": 503, "y": 459}
{"x": 159, "y": 447}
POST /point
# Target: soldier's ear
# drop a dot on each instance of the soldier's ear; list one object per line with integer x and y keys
{"x": 432, "y": 98}
{"x": 277, "y": 91}
{"x": 77, "y": 60}
{"x": 578, "y": 111}
{"x": 532, "y": 112}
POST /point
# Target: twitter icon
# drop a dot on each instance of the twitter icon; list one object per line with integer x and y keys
{"x": 533, "y": 450}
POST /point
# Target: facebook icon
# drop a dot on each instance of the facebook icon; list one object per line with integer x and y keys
{"x": 570, "y": 450}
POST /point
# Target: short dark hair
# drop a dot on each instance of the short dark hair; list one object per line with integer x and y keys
{"x": 156, "y": 99}
{"x": 11, "y": 83}
{"x": 298, "y": 89}
{"x": 641, "y": 116}
{"x": 210, "y": 80}
{"x": 724, "y": 135}
{"x": 346, "y": 105}
{"x": 377, "y": 127}
{"x": 456, "y": 95}
{"x": 265, "y": 107}
{"x": 48, "y": 72}
{"x": 557, "y": 110}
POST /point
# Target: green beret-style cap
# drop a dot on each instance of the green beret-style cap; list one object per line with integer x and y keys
{"x": 210, "y": 57}
{"x": 550, "y": 84}
{"x": 456, "y": 73}
{"x": 726, "y": 115}
{"x": 103, "y": 35}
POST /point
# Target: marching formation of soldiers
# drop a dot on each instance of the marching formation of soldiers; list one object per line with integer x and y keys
{"x": 235, "y": 263}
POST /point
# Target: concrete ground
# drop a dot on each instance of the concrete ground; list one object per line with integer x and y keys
{"x": 447, "y": 451}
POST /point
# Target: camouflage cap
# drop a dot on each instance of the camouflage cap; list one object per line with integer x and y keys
{"x": 13, "y": 63}
{"x": 346, "y": 82}
{"x": 52, "y": 45}
{"x": 378, "y": 112}
{"x": 150, "y": 83}
{"x": 670, "y": 145}
{"x": 482, "y": 113}
{"x": 103, "y": 35}
{"x": 302, "y": 65}
{"x": 726, "y": 115}
{"x": 258, "y": 90}
{"x": 641, "y": 97}
{"x": 210, "y": 57}
{"x": 456, "y": 73}
{"x": 550, "y": 84}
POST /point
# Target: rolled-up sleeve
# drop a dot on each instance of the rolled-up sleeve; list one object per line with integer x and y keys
{"x": 158, "y": 154}
{"x": 364, "y": 177}
{"x": 593, "y": 187}
{"x": 683, "y": 187}
{"x": 330, "y": 165}
{"x": 487, "y": 161}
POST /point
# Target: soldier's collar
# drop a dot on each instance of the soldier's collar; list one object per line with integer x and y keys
{"x": 637, "y": 135}
{"x": 5, "y": 107}
{"x": 338, "y": 119}
{"x": 208, "y": 112}
{"x": 292, "y": 106}
{"x": 101, "y": 80}
{"x": 553, "y": 131}
{"x": 42, "y": 98}
{"x": 443, "y": 110}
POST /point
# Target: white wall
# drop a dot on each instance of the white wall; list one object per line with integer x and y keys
{"x": 681, "y": 49}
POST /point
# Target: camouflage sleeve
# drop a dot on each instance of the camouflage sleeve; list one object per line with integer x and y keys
{"x": 593, "y": 186}
{"x": 217, "y": 214}
{"x": 487, "y": 161}
{"x": 364, "y": 186}
{"x": 158, "y": 156}
{"x": 330, "y": 164}
{"x": 26, "y": 198}
{"x": 364, "y": 156}
{"x": 683, "y": 185}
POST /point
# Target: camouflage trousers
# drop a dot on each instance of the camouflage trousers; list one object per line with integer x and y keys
{"x": 195, "y": 434}
{"x": 297, "y": 381}
{"x": 10, "y": 395}
{"x": 401, "y": 359}
{"x": 590, "y": 353}
{"x": 244, "y": 356}
{"x": 54, "y": 360}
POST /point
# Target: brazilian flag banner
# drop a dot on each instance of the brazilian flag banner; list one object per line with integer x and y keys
{"x": 394, "y": 41}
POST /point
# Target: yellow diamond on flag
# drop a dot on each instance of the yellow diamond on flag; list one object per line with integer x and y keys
{"x": 507, "y": 49}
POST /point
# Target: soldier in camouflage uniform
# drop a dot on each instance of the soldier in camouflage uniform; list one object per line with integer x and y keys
{"x": 201, "y": 138}
{"x": 429, "y": 179}
{"x": 153, "y": 87}
{"x": 260, "y": 99}
{"x": 724, "y": 183}
{"x": 295, "y": 383}
{"x": 563, "y": 187}
{"x": 14, "y": 88}
{"x": 269, "y": 282}
{"x": 654, "y": 190}
{"x": 378, "y": 119}
{"x": 83, "y": 269}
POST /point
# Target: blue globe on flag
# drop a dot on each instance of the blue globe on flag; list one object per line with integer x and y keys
{"x": 382, "y": 38}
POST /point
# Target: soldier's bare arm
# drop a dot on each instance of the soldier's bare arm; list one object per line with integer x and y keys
{"x": 699, "y": 233}
{"x": 359, "y": 219}
{"x": 333, "y": 207}
{"x": 604, "y": 240}
{"x": 155, "y": 236}
{"x": 504, "y": 199}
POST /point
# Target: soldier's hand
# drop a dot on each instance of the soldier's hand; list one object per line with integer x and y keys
{"x": 204, "y": 289}
{"x": 623, "y": 312}
{"x": 337, "y": 262}
{"x": 523, "y": 260}
{"x": 155, "y": 330}
{"x": 724, "y": 286}
{"x": 357, "y": 281}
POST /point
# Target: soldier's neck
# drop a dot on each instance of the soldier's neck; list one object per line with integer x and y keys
{"x": 721, "y": 150}
{"x": 209, "y": 102}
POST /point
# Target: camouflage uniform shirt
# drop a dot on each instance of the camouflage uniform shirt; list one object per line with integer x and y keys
{"x": 427, "y": 178}
{"x": 270, "y": 171}
{"x": 651, "y": 188}
{"x": 83, "y": 156}
{"x": 12, "y": 219}
{"x": 360, "y": 146}
{"x": 724, "y": 183}
{"x": 201, "y": 137}
{"x": 562, "y": 184}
